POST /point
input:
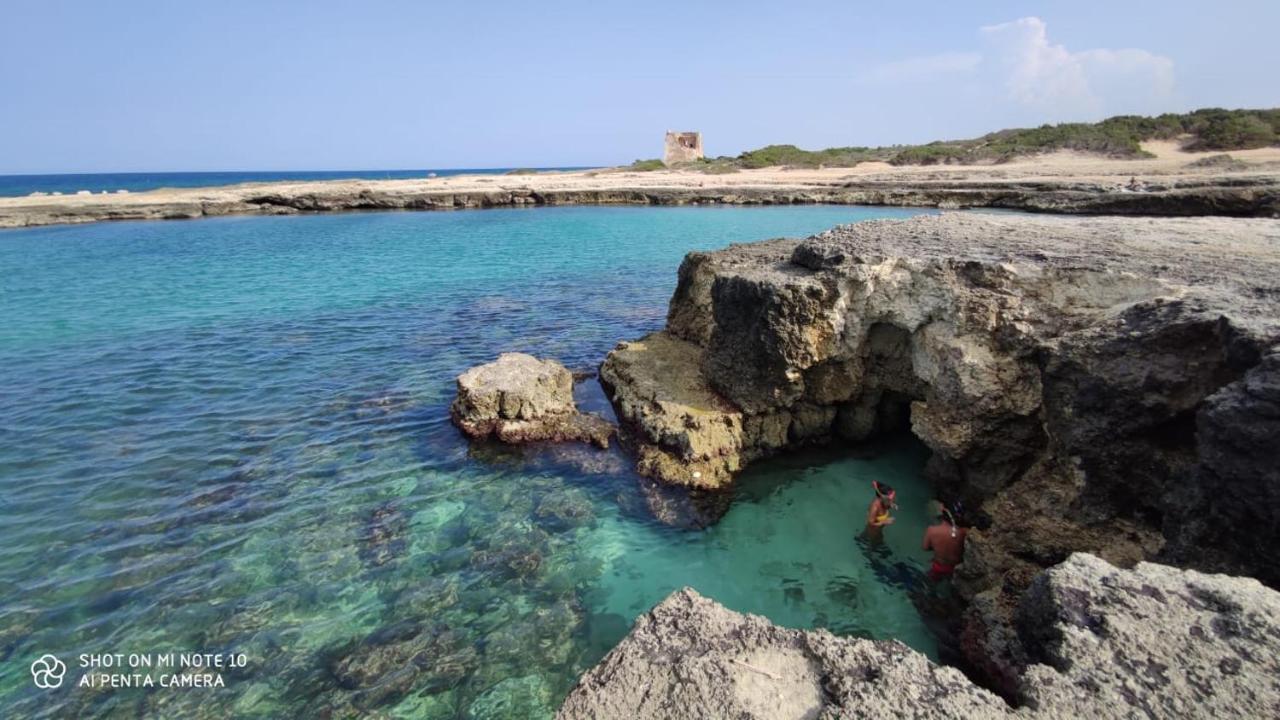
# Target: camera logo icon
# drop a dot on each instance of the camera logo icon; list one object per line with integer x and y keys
{"x": 47, "y": 672}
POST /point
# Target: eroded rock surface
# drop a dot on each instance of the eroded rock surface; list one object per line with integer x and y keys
{"x": 1153, "y": 642}
{"x": 1103, "y": 385}
{"x": 1150, "y": 642}
{"x": 690, "y": 657}
{"x": 519, "y": 398}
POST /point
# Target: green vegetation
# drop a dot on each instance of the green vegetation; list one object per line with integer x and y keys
{"x": 793, "y": 156}
{"x": 1120, "y": 136}
{"x": 934, "y": 153}
{"x": 717, "y": 166}
{"x": 1217, "y": 129}
{"x": 647, "y": 165}
{"x": 521, "y": 171}
{"x": 1218, "y": 162}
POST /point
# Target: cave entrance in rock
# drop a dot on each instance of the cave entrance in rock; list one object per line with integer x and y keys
{"x": 889, "y": 385}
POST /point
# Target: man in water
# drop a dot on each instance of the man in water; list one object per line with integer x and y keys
{"x": 946, "y": 540}
{"x": 878, "y": 513}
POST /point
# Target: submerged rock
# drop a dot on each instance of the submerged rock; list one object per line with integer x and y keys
{"x": 524, "y": 697}
{"x": 382, "y": 539}
{"x": 564, "y": 509}
{"x": 1153, "y": 642}
{"x": 519, "y": 398}
{"x": 387, "y": 664}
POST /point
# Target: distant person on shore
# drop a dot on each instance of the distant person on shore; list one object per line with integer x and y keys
{"x": 879, "y": 513}
{"x": 946, "y": 540}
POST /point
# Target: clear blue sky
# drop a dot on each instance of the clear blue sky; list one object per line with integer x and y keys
{"x": 138, "y": 86}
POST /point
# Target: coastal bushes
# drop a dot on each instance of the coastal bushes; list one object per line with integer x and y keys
{"x": 647, "y": 165}
{"x": 1120, "y": 136}
{"x": 935, "y": 153}
{"x": 775, "y": 155}
{"x": 1233, "y": 129}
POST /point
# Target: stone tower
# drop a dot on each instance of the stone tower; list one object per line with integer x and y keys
{"x": 682, "y": 147}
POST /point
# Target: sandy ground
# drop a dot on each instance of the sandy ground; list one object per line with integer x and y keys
{"x": 1169, "y": 162}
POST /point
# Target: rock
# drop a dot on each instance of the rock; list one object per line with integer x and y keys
{"x": 382, "y": 539}
{"x": 1102, "y": 385}
{"x": 519, "y": 398}
{"x": 384, "y": 666}
{"x": 1152, "y": 642}
{"x": 690, "y": 657}
{"x": 1192, "y": 191}
{"x": 564, "y": 509}
{"x": 524, "y": 697}
{"x": 688, "y": 434}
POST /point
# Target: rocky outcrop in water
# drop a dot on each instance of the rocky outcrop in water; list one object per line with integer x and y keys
{"x": 519, "y": 398}
{"x": 1100, "y": 385}
{"x": 1152, "y": 642}
{"x": 1250, "y": 195}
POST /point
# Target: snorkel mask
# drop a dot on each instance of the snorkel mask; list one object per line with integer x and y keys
{"x": 951, "y": 516}
{"x": 888, "y": 496}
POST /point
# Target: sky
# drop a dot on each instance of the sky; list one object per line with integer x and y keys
{"x": 167, "y": 86}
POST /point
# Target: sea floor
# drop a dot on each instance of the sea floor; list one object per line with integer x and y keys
{"x": 231, "y": 436}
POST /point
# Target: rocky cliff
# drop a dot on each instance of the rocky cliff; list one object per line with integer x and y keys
{"x": 1102, "y": 385}
{"x": 1152, "y": 642}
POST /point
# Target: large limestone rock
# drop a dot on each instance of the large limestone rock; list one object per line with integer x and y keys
{"x": 519, "y": 398}
{"x": 1103, "y": 385}
{"x": 1153, "y": 642}
{"x": 690, "y": 657}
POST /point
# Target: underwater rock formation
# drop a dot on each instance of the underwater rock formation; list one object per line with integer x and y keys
{"x": 519, "y": 398}
{"x": 1149, "y": 642}
{"x": 1103, "y": 385}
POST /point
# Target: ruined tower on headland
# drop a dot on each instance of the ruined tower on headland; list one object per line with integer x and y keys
{"x": 682, "y": 147}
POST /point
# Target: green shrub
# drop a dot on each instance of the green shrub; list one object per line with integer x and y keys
{"x": 932, "y": 154}
{"x": 719, "y": 167}
{"x": 647, "y": 165}
{"x": 1218, "y": 162}
{"x": 1227, "y": 130}
{"x": 521, "y": 171}
{"x": 1120, "y": 136}
{"x": 776, "y": 155}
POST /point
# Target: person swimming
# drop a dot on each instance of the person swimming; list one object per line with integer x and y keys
{"x": 946, "y": 540}
{"x": 879, "y": 513}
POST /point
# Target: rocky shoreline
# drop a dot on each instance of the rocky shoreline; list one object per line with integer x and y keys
{"x": 1246, "y": 195}
{"x": 1094, "y": 385}
{"x": 1151, "y": 642}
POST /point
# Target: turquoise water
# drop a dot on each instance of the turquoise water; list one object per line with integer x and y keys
{"x": 231, "y": 436}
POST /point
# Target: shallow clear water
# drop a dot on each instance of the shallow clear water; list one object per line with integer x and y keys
{"x": 231, "y": 435}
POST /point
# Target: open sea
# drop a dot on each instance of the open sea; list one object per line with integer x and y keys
{"x": 231, "y": 436}
{"x": 69, "y": 184}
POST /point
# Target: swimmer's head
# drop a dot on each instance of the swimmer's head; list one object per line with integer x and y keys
{"x": 884, "y": 491}
{"x": 950, "y": 513}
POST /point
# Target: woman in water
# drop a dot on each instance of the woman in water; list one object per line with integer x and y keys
{"x": 878, "y": 515}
